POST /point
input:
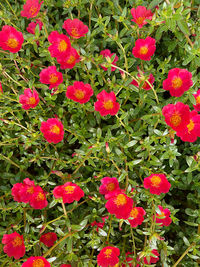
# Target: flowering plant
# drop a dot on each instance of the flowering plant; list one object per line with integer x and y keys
{"x": 100, "y": 131}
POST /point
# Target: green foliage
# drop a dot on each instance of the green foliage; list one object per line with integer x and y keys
{"x": 138, "y": 138}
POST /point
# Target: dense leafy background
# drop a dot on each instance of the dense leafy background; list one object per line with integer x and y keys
{"x": 138, "y": 137}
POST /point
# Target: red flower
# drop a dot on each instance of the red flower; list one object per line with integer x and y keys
{"x": 144, "y": 48}
{"x": 52, "y": 130}
{"x": 29, "y": 99}
{"x": 38, "y": 199}
{"x": 32, "y": 25}
{"x": 150, "y": 259}
{"x": 75, "y": 28}
{"x": 120, "y": 205}
{"x": 11, "y": 39}
{"x": 145, "y": 85}
{"x": 69, "y": 192}
{"x": 178, "y": 81}
{"x": 137, "y": 214}
{"x": 60, "y": 45}
{"x": 197, "y": 97}
{"x": 14, "y": 245}
{"x": 1, "y": 89}
{"x": 127, "y": 260}
{"x": 163, "y": 217}
{"x": 140, "y": 14}
{"x": 22, "y": 192}
{"x": 191, "y": 131}
{"x": 100, "y": 224}
{"x": 79, "y": 92}
{"x": 36, "y": 262}
{"x": 107, "y": 54}
{"x": 109, "y": 187}
{"x": 106, "y": 103}
{"x": 176, "y": 116}
{"x": 51, "y": 76}
{"x": 108, "y": 256}
{"x": 31, "y": 8}
{"x": 157, "y": 183}
{"x": 70, "y": 60}
{"x": 65, "y": 265}
{"x": 48, "y": 239}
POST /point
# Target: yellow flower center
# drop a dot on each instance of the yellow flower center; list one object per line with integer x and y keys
{"x": 143, "y": 50}
{"x": 140, "y": 20}
{"x": 198, "y": 99}
{"x": 162, "y": 214}
{"x": 17, "y": 241}
{"x": 177, "y": 82}
{"x": 40, "y": 196}
{"x": 55, "y": 129}
{"x": 71, "y": 60}
{"x": 30, "y": 190}
{"x": 190, "y": 126}
{"x": 32, "y": 101}
{"x": 110, "y": 186}
{"x": 33, "y": 10}
{"x": 120, "y": 200}
{"x": 155, "y": 180}
{"x": 175, "y": 119}
{"x": 12, "y": 43}
{"x": 53, "y": 78}
{"x": 38, "y": 263}
{"x": 108, "y": 104}
{"x": 69, "y": 189}
{"x": 79, "y": 94}
{"x": 48, "y": 236}
{"x": 62, "y": 46}
{"x": 108, "y": 253}
{"x": 74, "y": 32}
{"x": 134, "y": 213}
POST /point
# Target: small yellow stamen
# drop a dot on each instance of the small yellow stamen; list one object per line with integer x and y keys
{"x": 38, "y": 263}
{"x": 69, "y": 189}
{"x": 190, "y": 126}
{"x": 155, "y": 180}
{"x": 55, "y": 129}
{"x": 134, "y": 213}
{"x": 62, "y": 46}
{"x": 175, "y": 119}
{"x": 79, "y": 94}
{"x": 120, "y": 200}
{"x": 32, "y": 101}
{"x": 108, "y": 104}
{"x": 108, "y": 253}
{"x": 140, "y": 20}
{"x": 143, "y": 50}
{"x": 17, "y": 241}
{"x": 53, "y": 78}
{"x": 12, "y": 43}
{"x": 110, "y": 186}
{"x": 177, "y": 82}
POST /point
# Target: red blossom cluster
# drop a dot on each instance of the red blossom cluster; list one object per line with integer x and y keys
{"x": 28, "y": 192}
{"x": 186, "y": 123}
{"x": 69, "y": 192}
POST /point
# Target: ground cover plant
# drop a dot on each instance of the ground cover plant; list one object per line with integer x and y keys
{"x": 100, "y": 131}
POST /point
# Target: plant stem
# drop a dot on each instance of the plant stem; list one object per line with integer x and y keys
{"x": 184, "y": 254}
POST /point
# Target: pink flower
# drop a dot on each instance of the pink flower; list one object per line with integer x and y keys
{"x": 197, "y": 97}
{"x": 106, "y": 103}
{"x": 69, "y": 192}
{"x": 1, "y": 89}
{"x": 38, "y": 199}
{"x": 11, "y": 39}
{"x": 70, "y": 60}
{"x": 140, "y": 14}
{"x": 48, "y": 239}
{"x": 14, "y": 245}
{"x": 163, "y": 217}
{"x": 75, "y": 28}
{"x": 191, "y": 131}
{"x": 79, "y": 92}
{"x": 31, "y": 8}
{"x": 145, "y": 85}
{"x": 144, "y": 48}
{"x": 177, "y": 116}
{"x": 32, "y": 25}
{"x": 52, "y": 130}
{"x": 108, "y": 256}
{"x": 178, "y": 81}
{"x": 51, "y": 76}
{"x": 120, "y": 205}
{"x": 136, "y": 214}
{"x": 109, "y": 187}
{"x": 37, "y": 261}
{"x": 157, "y": 184}
{"x": 107, "y": 54}
{"x": 61, "y": 45}
{"x": 29, "y": 99}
